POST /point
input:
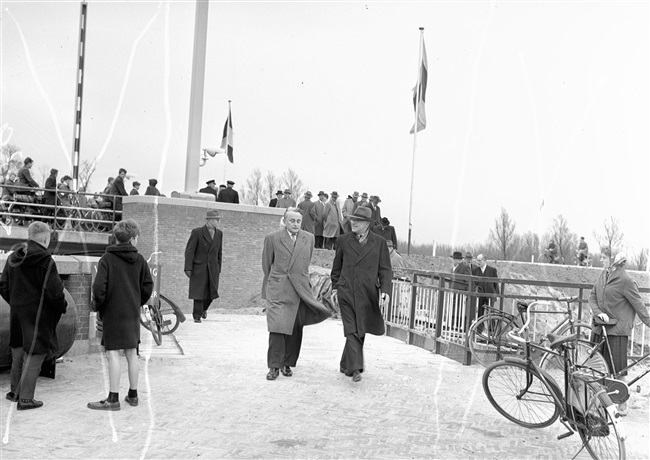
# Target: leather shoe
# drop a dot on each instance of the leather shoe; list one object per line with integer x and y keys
{"x": 345, "y": 371}
{"x": 273, "y": 373}
{"x": 104, "y": 405}
{"x": 204, "y": 315}
{"x": 197, "y": 320}
{"x": 286, "y": 371}
{"x": 25, "y": 404}
{"x": 133, "y": 400}
{"x": 356, "y": 376}
{"x": 11, "y": 396}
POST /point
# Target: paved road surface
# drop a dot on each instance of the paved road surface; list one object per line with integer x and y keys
{"x": 212, "y": 401}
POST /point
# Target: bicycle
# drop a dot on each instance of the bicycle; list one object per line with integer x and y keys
{"x": 487, "y": 337}
{"x": 527, "y": 395}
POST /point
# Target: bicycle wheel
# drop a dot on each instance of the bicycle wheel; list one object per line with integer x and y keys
{"x": 588, "y": 410}
{"x": 517, "y": 392}
{"x": 488, "y": 340}
{"x": 170, "y": 320}
{"x": 591, "y": 362}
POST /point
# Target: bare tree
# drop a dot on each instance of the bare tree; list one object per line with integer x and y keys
{"x": 529, "y": 245}
{"x": 10, "y": 160}
{"x": 612, "y": 237}
{"x": 565, "y": 240}
{"x": 503, "y": 233}
{"x": 41, "y": 173}
{"x": 254, "y": 187}
{"x": 640, "y": 260}
{"x": 293, "y": 182}
{"x": 86, "y": 171}
{"x": 270, "y": 186}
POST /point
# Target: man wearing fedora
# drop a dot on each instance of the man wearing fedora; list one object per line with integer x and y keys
{"x": 286, "y": 201}
{"x": 348, "y": 208}
{"x": 290, "y": 303}
{"x": 274, "y": 202}
{"x": 361, "y": 285}
{"x": 331, "y": 221}
{"x": 229, "y": 194}
{"x": 460, "y": 268}
{"x": 373, "y": 205}
{"x": 203, "y": 264}
{"x": 210, "y": 187}
{"x": 308, "y": 209}
{"x": 319, "y": 224}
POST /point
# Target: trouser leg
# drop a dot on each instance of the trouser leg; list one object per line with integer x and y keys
{"x": 206, "y": 304}
{"x": 293, "y": 342}
{"x": 352, "y": 357}
{"x": 197, "y": 311}
{"x": 17, "y": 359}
{"x": 275, "y": 355}
{"x": 31, "y": 368}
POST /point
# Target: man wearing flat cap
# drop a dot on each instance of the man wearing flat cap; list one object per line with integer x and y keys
{"x": 361, "y": 285}
{"x": 286, "y": 201}
{"x": 211, "y": 188}
{"x": 274, "y": 201}
{"x": 203, "y": 264}
{"x": 308, "y": 209}
{"x": 229, "y": 194}
{"x": 136, "y": 187}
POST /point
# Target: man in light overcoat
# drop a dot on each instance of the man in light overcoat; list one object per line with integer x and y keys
{"x": 361, "y": 284}
{"x": 290, "y": 303}
{"x": 203, "y": 264}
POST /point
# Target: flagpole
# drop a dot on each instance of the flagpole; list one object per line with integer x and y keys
{"x": 415, "y": 135}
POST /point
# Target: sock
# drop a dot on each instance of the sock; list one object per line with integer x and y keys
{"x": 113, "y": 397}
{"x": 133, "y": 393}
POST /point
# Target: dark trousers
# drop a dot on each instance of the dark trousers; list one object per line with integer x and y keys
{"x": 285, "y": 349}
{"x": 352, "y": 357}
{"x": 330, "y": 243}
{"x": 319, "y": 242}
{"x": 482, "y": 301}
{"x": 25, "y": 368}
{"x": 200, "y": 306}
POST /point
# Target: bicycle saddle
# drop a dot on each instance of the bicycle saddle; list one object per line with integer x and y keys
{"x": 558, "y": 340}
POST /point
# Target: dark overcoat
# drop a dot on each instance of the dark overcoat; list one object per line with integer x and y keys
{"x": 488, "y": 287}
{"x": 228, "y": 195}
{"x": 123, "y": 283}
{"x": 308, "y": 209}
{"x": 359, "y": 274}
{"x": 203, "y": 258}
{"x": 318, "y": 222}
{"x": 31, "y": 285}
{"x": 287, "y": 282}
{"x": 50, "y": 191}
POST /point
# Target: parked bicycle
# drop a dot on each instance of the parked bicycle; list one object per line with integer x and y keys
{"x": 524, "y": 393}
{"x": 161, "y": 317}
{"x": 488, "y": 340}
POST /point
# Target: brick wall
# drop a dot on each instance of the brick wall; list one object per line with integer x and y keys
{"x": 166, "y": 225}
{"x": 79, "y": 288}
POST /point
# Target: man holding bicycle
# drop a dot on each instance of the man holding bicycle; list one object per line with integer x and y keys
{"x": 616, "y": 296}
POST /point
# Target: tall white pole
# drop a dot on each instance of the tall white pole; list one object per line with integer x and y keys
{"x": 415, "y": 135}
{"x": 196, "y": 97}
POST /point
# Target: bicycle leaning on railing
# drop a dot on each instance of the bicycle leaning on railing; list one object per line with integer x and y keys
{"x": 524, "y": 393}
{"x": 161, "y": 317}
{"x": 487, "y": 337}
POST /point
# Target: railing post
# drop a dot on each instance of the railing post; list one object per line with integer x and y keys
{"x": 439, "y": 314}
{"x": 471, "y": 311}
{"x": 580, "y": 304}
{"x": 414, "y": 292}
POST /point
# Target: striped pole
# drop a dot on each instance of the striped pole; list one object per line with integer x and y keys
{"x": 81, "y": 54}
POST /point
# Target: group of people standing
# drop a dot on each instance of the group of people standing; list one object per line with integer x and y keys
{"x": 223, "y": 194}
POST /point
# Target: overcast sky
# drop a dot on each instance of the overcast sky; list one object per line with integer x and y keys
{"x": 527, "y": 103}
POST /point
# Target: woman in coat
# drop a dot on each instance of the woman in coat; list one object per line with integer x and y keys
{"x": 616, "y": 295}
{"x": 123, "y": 283}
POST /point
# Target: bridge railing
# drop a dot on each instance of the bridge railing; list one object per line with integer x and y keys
{"x": 77, "y": 211}
{"x": 426, "y": 311}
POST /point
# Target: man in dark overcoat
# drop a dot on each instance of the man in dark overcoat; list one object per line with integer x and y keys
{"x": 203, "y": 264}
{"x": 50, "y": 192}
{"x": 318, "y": 222}
{"x": 308, "y": 210}
{"x": 361, "y": 284}
{"x": 229, "y": 194}
{"x": 117, "y": 191}
{"x": 274, "y": 202}
{"x": 387, "y": 231}
{"x": 31, "y": 285}
{"x": 211, "y": 188}
{"x": 290, "y": 303}
{"x": 489, "y": 287}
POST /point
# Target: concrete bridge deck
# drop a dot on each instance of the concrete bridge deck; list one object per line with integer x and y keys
{"x": 208, "y": 398}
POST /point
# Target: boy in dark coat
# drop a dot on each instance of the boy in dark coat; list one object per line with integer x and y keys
{"x": 123, "y": 283}
{"x": 361, "y": 285}
{"x": 31, "y": 285}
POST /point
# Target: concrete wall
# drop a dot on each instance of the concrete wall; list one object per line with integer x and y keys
{"x": 166, "y": 225}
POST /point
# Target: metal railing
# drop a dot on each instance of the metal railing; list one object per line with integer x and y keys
{"x": 76, "y": 211}
{"x": 423, "y": 301}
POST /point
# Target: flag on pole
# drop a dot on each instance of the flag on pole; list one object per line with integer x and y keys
{"x": 226, "y": 141}
{"x": 419, "y": 92}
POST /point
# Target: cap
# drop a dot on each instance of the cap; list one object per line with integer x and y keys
{"x": 211, "y": 181}
{"x": 229, "y": 182}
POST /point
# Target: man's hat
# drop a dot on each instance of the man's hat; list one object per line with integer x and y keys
{"x": 222, "y": 186}
{"x": 468, "y": 255}
{"x": 229, "y": 182}
{"x": 136, "y": 183}
{"x": 211, "y": 181}
{"x": 213, "y": 214}
{"x": 376, "y": 197}
{"x": 385, "y": 221}
{"x": 335, "y": 195}
{"x": 457, "y": 255}
{"x": 279, "y": 192}
{"x": 361, "y": 213}
{"x": 355, "y": 194}
{"x": 321, "y": 193}
{"x": 287, "y": 191}
{"x": 364, "y": 195}
{"x": 308, "y": 194}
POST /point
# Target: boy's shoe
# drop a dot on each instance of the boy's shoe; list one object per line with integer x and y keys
{"x": 25, "y": 404}
{"x": 104, "y": 405}
{"x": 133, "y": 400}
{"x": 11, "y": 396}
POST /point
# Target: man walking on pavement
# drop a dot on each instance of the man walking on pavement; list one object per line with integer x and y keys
{"x": 361, "y": 285}
{"x": 31, "y": 285}
{"x": 290, "y": 303}
{"x": 203, "y": 264}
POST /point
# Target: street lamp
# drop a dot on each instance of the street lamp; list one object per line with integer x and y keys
{"x": 212, "y": 152}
